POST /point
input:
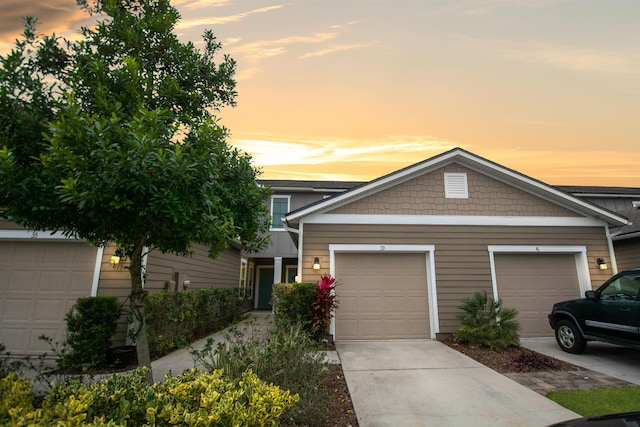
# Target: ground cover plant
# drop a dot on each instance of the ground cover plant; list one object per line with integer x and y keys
{"x": 598, "y": 401}
{"x": 285, "y": 356}
{"x": 192, "y": 398}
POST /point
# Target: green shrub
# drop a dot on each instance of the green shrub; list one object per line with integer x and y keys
{"x": 485, "y": 323}
{"x": 292, "y": 303}
{"x": 15, "y": 397}
{"x": 174, "y": 319}
{"x": 284, "y": 356}
{"x": 91, "y": 323}
{"x": 193, "y": 398}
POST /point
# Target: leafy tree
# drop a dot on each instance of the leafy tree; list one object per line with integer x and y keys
{"x": 113, "y": 138}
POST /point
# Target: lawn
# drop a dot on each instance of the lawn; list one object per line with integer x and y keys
{"x": 599, "y": 401}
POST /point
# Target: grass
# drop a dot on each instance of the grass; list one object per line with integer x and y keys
{"x": 599, "y": 401}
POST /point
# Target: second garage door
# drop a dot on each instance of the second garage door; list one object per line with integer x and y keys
{"x": 381, "y": 296}
{"x": 532, "y": 283}
{"x": 39, "y": 282}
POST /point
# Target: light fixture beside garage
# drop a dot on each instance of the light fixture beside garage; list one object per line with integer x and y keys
{"x": 601, "y": 263}
{"x": 117, "y": 256}
{"x": 316, "y": 263}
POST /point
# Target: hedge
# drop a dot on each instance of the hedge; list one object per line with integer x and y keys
{"x": 175, "y": 319}
{"x": 292, "y": 303}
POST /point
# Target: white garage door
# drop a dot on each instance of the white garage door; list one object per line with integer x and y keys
{"x": 532, "y": 283}
{"x": 39, "y": 282}
{"x": 381, "y": 296}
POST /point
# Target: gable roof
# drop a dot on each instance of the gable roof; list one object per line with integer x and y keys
{"x": 632, "y": 229}
{"x": 473, "y": 162}
{"x": 308, "y": 186}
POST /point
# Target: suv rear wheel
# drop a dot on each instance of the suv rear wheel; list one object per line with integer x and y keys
{"x": 569, "y": 338}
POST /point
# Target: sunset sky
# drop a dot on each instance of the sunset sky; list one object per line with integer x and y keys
{"x": 354, "y": 89}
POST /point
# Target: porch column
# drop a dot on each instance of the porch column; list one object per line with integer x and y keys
{"x": 277, "y": 269}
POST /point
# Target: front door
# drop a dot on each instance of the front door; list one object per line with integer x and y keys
{"x": 265, "y": 286}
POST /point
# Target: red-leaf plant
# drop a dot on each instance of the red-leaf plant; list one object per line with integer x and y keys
{"x": 323, "y": 305}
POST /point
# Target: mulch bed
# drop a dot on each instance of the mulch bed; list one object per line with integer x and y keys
{"x": 341, "y": 412}
{"x": 539, "y": 372}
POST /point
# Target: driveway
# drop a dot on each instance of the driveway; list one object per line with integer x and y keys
{"x": 615, "y": 361}
{"x": 426, "y": 383}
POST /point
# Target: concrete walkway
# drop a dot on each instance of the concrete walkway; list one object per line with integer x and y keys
{"x": 258, "y": 322}
{"x": 615, "y": 361}
{"x": 426, "y": 383}
{"x": 181, "y": 360}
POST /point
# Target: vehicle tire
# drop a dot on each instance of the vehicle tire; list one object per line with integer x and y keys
{"x": 569, "y": 337}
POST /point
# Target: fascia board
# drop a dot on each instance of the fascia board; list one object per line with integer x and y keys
{"x": 471, "y": 161}
{"x": 374, "y": 186}
{"x": 474, "y": 220}
{"x": 542, "y": 190}
{"x": 36, "y": 235}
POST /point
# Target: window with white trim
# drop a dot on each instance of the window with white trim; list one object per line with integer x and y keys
{"x": 279, "y": 208}
{"x": 455, "y": 186}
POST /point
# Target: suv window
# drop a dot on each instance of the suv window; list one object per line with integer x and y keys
{"x": 623, "y": 288}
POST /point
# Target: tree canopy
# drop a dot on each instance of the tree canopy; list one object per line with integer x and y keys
{"x": 113, "y": 138}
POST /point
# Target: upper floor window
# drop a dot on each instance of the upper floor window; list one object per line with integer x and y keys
{"x": 279, "y": 207}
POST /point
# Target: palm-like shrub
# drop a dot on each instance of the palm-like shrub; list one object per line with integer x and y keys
{"x": 486, "y": 323}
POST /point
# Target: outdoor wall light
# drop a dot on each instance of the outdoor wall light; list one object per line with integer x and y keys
{"x": 601, "y": 263}
{"x": 316, "y": 263}
{"x": 116, "y": 257}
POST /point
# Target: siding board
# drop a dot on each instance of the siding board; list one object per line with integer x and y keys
{"x": 461, "y": 253}
{"x": 424, "y": 195}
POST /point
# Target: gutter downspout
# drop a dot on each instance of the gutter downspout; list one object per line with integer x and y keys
{"x": 612, "y": 253}
{"x": 297, "y": 231}
{"x": 97, "y": 269}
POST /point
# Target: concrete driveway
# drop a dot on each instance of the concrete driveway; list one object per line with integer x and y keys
{"x": 426, "y": 383}
{"x": 615, "y": 361}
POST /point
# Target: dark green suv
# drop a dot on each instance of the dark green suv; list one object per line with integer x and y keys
{"x": 610, "y": 314}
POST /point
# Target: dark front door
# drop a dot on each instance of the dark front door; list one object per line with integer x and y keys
{"x": 265, "y": 286}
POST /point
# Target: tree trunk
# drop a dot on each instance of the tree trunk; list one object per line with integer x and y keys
{"x": 137, "y": 307}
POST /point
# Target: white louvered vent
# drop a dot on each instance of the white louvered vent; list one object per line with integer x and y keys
{"x": 455, "y": 186}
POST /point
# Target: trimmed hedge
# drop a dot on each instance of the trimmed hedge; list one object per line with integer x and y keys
{"x": 292, "y": 303}
{"x": 175, "y": 319}
{"x": 193, "y": 398}
{"x": 91, "y": 323}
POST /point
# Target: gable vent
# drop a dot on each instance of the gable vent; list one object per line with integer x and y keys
{"x": 455, "y": 186}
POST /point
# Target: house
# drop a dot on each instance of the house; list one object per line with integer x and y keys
{"x": 626, "y": 202}
{"x": 42, "y": 274}
{"x": 279, "y": 262}
{"x": 626, "y": 240}
{"x": 408, "y": 247}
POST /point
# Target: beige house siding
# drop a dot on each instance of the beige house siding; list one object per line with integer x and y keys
{"x": 202, "y": 271}
{"x": 424, "y": 195}
{"x": 461, "y": 254}
{"x": 627, "y": 253}
{"x": 199, "y": 269}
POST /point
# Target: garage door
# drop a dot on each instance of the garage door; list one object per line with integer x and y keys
{"x": 532, "y": 283}
{"x": 381, "y": 296}
{"x": 39, "y": 282}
